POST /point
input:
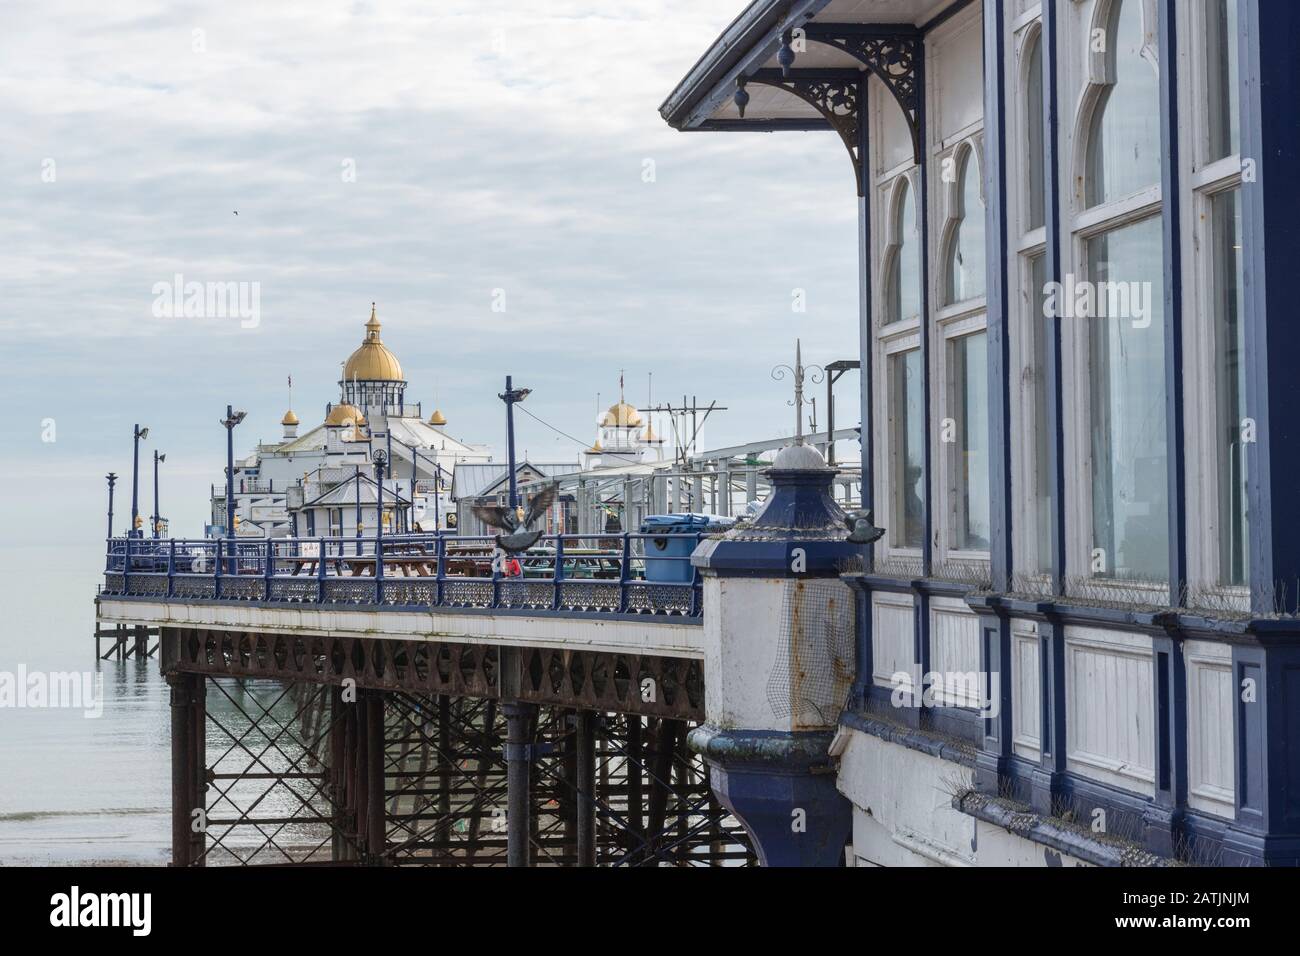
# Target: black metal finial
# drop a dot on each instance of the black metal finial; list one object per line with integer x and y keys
{"x": 785, "y": 55}
{"x": 741, "y": 96}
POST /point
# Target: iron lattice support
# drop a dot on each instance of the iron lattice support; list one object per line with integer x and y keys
{"x": 305, "y": 773}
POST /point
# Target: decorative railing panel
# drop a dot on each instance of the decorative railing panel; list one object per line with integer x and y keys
{"x": 573, "y": 575}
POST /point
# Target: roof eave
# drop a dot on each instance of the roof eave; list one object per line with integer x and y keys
{"x": 751, "y": 39}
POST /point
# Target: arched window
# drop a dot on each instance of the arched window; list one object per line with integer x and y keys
{"x": 905, "y": 266}
{"x": 1035, "y": 160}
{"x": 1124, "y": 138}
{"x": 966, "y": 249}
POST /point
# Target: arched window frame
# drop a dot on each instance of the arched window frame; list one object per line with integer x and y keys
{"x": 965, "y": 159}
{"x": 1031, "y": 484}
{"x": 952, "y": 322}
{"x": 1082, "y": 224}
{"x": 903, "y": 185}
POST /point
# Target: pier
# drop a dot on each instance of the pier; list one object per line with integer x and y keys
{"x": 402, "y": 700}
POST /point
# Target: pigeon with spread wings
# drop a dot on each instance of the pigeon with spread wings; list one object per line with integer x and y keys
{"x": 516, "y": 522}
{"x": 862, "y": 527}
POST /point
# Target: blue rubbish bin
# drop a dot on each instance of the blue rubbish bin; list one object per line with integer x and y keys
{"x": 675, "y": 539}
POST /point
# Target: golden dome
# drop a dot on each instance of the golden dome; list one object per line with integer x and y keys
{"x": 345, "y": 414}
{"x": 289, "y": 418}
{"x": 621, "y": 415}
{"x": 650, "y": 435}
{"x": 437, "y": 418}
{"x": 596, "y": 449}
{"x": 372, "y": 362}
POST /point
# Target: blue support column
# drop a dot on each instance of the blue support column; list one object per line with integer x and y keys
{"x": 1047, "y": 778}
{"x": 781, "y": 786}
{"x": 1164, "y": 815}
{"x": 993, "y": 761}
{"x": 1171, "y": 220}
{"x": 1053, "y": 272}
{"x": 768, "y": 765}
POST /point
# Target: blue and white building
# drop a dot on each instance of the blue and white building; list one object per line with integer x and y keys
{"x": 1077, "y": 641}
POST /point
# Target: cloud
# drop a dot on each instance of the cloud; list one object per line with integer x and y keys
{"x": 495, "y": 145}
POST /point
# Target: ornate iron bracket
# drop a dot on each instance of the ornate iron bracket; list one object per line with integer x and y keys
{"x": 834, "y": 94}
{"x": 892, "y": 55}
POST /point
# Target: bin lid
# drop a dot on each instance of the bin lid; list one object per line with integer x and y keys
{"x": 684, "y": 523}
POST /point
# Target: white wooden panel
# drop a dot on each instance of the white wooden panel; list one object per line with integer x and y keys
{"x": 1210, "y": 786}
{"x": 1110, "y": 733}
{"x": 1026, "y": 718}
{"x": 955, "y": 650}
{"x": 892, "y": 636}
{"x": 956, "y": 55}
{"x": 891, "y": 137}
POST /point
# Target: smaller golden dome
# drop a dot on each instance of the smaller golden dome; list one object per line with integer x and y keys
{"x": 345, "y": 414}
{"x": 596, "y": 449}
{"x": 621, "y": 415}
{"x": 437, "y": 418}
{"x": 289, "y": 418}
{"x": 650, "y": 435}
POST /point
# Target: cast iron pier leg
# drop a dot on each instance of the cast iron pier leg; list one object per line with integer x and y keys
{"x": 519, "y": 724}
{"x": 187, "y": 718}
{"x": 585, "y": 803}
{"x": 376, "y": 836}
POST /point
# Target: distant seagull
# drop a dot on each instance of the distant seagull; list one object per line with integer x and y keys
{"x": 236, "y": 212}
{"x": 519, "y": 535}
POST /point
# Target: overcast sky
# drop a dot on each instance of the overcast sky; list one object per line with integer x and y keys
{"x": 421, "y": 155}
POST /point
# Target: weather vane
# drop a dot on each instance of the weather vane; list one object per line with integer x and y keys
{"x": 814, "y": 373}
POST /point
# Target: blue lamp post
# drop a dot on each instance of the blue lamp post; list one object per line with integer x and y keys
{"x": 232, "y": 419}
{"x": 139, "y": 433}
{"x": 511, "y": 396}
{"x": 380, "y": 459}
{"x": 112, "y": 480}
{"x": 157, "y": 515}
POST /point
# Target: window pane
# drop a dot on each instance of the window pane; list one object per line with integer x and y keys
{"x": 1221, "y": 76}
{"x": 1124, "y": 142}
{"x": 1230, "y": 389}
{"x": 1127, "y": 381}
{"x": 969, "y": 358}
{"x": 906, "y": 396}
{"x": 905, "y": 280}
{"x": 1034, "y": 134}
{"x": 1041, "y": 329}
{"x": 966, "y": 258}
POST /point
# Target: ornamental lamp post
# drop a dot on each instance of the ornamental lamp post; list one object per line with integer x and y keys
{"x": 380, "y": 458}
{"x": 232, "y": 419}
{"x": 139, "y": 434}
{"x": 157, "y": 515}
{"x": 112, "y": 480}
{"x": 511, "y": 396}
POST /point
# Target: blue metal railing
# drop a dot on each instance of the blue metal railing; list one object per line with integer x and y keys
{"x": 594, "y": 574}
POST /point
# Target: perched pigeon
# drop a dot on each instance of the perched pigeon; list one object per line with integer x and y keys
{"x": 862, "y": 530}
{"x": 519, "y": 535}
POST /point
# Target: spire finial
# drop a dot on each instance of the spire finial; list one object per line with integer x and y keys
{"x": 798, "y": 373}
{"x": 372, "y": 325}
